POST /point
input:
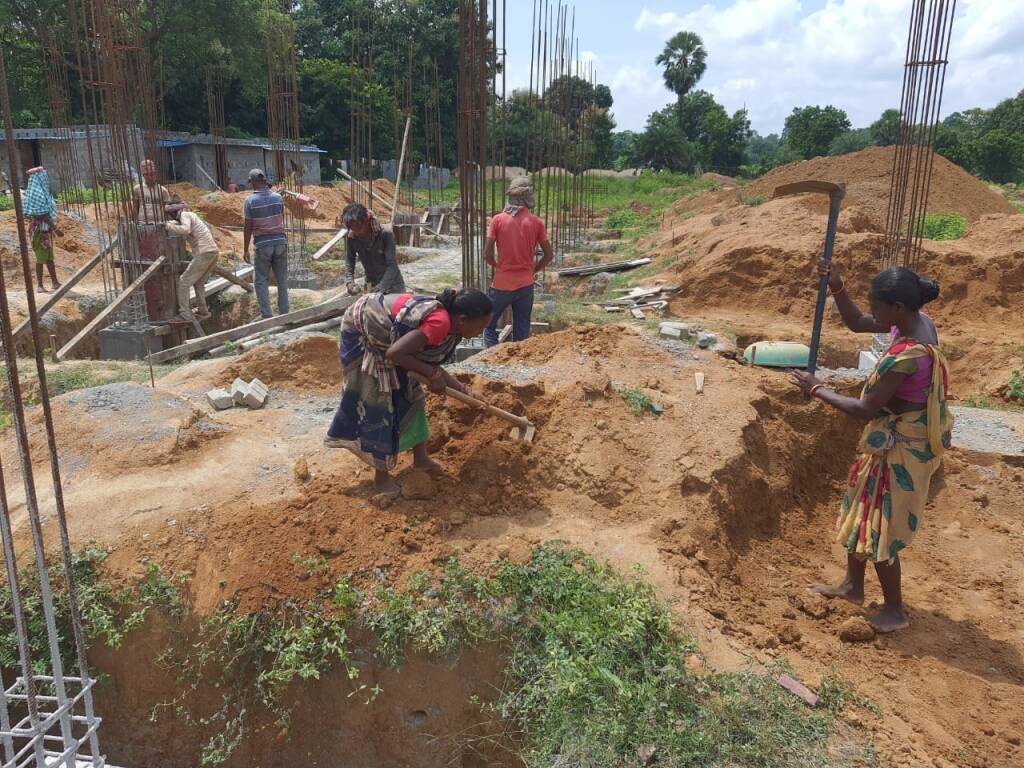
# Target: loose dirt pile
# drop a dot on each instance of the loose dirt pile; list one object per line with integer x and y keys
{"x": 77, "y": 244}
{"x": 727, "y": 499}
{"x": 225, "y": 208}
{"x": 753, "y": 266}
{"x": 867, "y": 176}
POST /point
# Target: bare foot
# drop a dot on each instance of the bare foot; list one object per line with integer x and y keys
{"x": 889, "y": 620}
{"x": 56, "y": 286}
{"x": 427, "y": 464}
{"x": 844, "y": 591}
{"x": 384, "y": 483}
{"x": 42, "y": 289}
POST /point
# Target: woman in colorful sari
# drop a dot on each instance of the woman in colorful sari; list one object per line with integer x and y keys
{"x": 41, "y": 210}
{"x": 904, "y": 403}
{"x": 384, "y": 339}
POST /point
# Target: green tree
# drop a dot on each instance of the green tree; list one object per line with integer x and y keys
{"x": 885, "y": 131}
{"x": 684, "y": 60}
{"x": 851, "y": 141}
{"x": 720, "y": 140}
{"x": 810, "y": 131}
{"x": 997, "y": 156}
{"x": 663, "y": 145}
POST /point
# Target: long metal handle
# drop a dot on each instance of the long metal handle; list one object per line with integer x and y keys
{"x": 511, "y": 418}
{"x": 819, "y": 309}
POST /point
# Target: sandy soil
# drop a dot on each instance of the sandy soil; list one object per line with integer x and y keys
{"x": 727, "y": 500}
{"x": 752, "y": 268}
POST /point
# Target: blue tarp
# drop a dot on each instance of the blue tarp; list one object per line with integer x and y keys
{"x": 172, "y": 143}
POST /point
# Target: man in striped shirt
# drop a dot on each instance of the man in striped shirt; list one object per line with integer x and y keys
{"x": 264, "y": 225}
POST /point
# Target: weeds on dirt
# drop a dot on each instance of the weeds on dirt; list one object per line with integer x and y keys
{"x": 1015, "y": 388}
{"x": 108, "y": 614}
{"x": 595, "y": 673}
{"x": 746, "y": 198}
{"x": 943, "y": 226}
{"x": 6, "y": 202}
{"x": 638, "y": 402}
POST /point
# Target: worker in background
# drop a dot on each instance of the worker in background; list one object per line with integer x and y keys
{"x": 41, "y": 210}
{"x": 374, "y": 245}
{"x": 516, "y": 232}
{"x": 149, "y": 197}
{"x": 264, "y": 226}
{"x": 182, "y": 222}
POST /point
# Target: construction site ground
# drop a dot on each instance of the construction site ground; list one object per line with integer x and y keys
{"x": 727, "y": 499}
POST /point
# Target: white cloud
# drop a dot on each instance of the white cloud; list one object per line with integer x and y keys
{"x": 773, "y": 55}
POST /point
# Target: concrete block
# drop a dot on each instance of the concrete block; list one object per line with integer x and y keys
{"x": 867, "y": 361}
{"x": 705, "y": 340}
{"x": 239, "y": 391}
{"x": 128, "y": 343}
{"x": 673, "y": 330}
{"x": 257, "y": 395}
{"x": 220, "y": 399}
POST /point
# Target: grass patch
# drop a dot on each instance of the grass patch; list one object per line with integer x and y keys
{"x": 572, "y": 312}
{"x": 6, "y": 202}
{"x": 748, "y": 199}
{"x": 943, "y": 226}
{"x": 637, "y": 401}
{"x": 1015, "y": 388}
{"x": 1018, "y": 204}
{"x": 595, "y": 673}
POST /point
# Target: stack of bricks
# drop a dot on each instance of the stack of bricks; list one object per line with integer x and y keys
{"x": 252, "y": 395}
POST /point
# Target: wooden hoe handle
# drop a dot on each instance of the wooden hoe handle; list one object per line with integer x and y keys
{"x": 511, "y": 418}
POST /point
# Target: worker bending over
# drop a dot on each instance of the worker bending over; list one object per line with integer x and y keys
{"x": 182, "y": 222}
{"x": 516, "y": 232}
{"x": 374, "y": 246}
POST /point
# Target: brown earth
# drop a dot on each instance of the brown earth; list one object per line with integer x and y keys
{"x": 727, "y": 500}
{"x": 225, "y": 208}
{"x": 752, "y": 268}
{"x": 867, "y": 174}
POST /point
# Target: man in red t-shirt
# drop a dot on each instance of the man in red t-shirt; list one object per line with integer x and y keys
{"x": 517, "y": 233}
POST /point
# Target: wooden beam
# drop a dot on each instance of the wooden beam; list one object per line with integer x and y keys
{"x": 202, "y": 171}
{"x": 327, "y": 310}
{"x": 231, "y": 277}
{"x": 398, "y": 171}
{"x": 112, "y": 307}
{"x": 373, "y": 194}
{"x": 70, "y": 283}
{"x": 331, "y": 243}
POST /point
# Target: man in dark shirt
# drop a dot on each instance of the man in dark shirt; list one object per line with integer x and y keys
{"x": 374, "y": 246}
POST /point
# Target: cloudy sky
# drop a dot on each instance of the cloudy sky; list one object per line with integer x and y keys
{"x": 772, "y": 55}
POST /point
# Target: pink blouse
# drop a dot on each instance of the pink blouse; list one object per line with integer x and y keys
{"x": 914, "y": 388}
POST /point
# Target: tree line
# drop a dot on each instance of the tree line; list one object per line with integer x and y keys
{"x": 696, "y": 133}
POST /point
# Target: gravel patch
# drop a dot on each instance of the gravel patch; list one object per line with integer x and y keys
{"x": 511, "y": 374}
{"x": 985, "y": 431}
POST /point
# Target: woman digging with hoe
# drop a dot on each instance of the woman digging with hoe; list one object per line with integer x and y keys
{"x": 904, "y": 403}
{"x": 384, "y": 339}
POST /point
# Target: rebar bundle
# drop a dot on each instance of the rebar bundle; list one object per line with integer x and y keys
{"x": 283, "y": 127}
{"x": 924, "y": 74}
{"x": 56, "y": 723}
{"x": 215, "y": 115}
{"x": 361, "y": 113}
{"x": 479, "y": 149}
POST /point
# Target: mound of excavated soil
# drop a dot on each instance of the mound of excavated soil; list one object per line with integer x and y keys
{"x": 124, "y": 426}
{"x": 867, "y": 175}
{"x": 74, "y": 247}
{"x": 225, "y": 208}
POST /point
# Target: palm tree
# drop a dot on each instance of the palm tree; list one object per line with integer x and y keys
{"x": 684, "y": 60}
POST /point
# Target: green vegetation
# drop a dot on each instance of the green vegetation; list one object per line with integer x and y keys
{"x": 1015, "y": 389}
{"x": 90, "y": 195}
{"x": 943, "y": 226}
{"x": 636, "y": 399}
{"x": 596, "y": 674}
{"x": 6, "y": 202}
{"x": 748, "y": 199}
{"x": 108, "y": 614}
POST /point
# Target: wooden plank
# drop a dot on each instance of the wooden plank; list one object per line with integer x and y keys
{"x": 327, "y": 310}
{"x": 698, "y": 380}
{"x": 398, "y": 172}
{"x": 231, "y": 277}
{"x": 373, "y": 194}
{"x": 331, "y": 243}
{"x": 111, "y": 308}
{"x": 593, "y": 269}
{"x": 203, "y": 171}
{"x": 70, "y": 283}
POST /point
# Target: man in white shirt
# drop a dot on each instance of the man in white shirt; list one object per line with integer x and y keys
{"x": 181, "y": 221}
